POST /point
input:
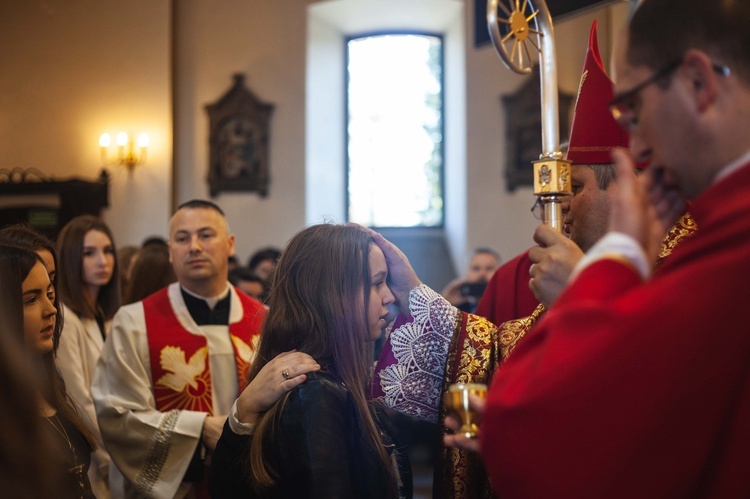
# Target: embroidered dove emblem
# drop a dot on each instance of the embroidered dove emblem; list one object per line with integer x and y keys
{"x": 245, "y": 351}
{"x": 181, "y": 373}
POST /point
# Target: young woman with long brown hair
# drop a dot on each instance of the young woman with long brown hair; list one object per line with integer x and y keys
{"x": 22, "y": 474}
{"x": 90, "y": 293}
{"x": 34, "y": 306}
{"x": 151, "y": 272}
{"x": 325, "y": 438}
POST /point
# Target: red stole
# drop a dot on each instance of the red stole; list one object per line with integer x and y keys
{"x": 179, "y": 359}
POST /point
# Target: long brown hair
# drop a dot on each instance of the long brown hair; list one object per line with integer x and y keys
{"x": 22, "y": 473}
{"x": 318, "y": 305}
{"x": 70, "y": 244}
{"x": 15, "y": 265}
{"x": 151, "y": 272}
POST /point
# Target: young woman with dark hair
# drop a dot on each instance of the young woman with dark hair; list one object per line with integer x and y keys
{"x": 89, "y": 290}
{"x": 32, "y": 309}
{"x": 325, "y": 438}
{"x": 22, "y": 474}
{"x": 151, "y": 272}
{"x": 88, "y": 263}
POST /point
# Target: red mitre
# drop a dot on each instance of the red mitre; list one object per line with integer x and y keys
{"x": 594, "y": 133}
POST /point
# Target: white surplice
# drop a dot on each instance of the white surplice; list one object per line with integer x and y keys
{"x": 152, "y": 449}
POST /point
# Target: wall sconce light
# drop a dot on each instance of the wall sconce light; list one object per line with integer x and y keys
{"x": 126, "y": 150}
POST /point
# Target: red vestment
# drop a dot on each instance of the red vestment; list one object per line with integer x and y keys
{"x": 508, "y": 295}
{"x": 171, "y": 345}
{"x": 631, "y": 389}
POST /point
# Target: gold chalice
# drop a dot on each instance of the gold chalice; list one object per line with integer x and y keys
{"x": 457, "y": 401}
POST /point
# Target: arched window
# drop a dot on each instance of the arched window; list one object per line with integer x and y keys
{"x": 394, "y": 130}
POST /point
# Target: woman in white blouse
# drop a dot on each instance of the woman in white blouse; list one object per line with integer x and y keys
{"x": 90, "y": 294}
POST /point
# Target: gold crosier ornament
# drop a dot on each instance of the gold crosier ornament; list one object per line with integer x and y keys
{"x": 529, "y": 23}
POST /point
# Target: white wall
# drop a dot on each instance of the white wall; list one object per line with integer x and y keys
{"x": 72, "y": 70}
{"x": 325, "y": 165}
{"x": 329, "y": 23}
{"x": 266, "y": 41}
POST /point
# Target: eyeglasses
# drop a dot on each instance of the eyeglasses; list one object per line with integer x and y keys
{"x": 624, "y": 107}
{"x": 537, "y": 209}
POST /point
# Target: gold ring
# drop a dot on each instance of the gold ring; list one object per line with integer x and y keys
{"x": 285, "y": 373}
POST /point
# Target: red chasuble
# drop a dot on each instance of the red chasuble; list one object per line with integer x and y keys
{"x": 508, "y": 296}
{"x": 179, "y": 359}
{"x": 630, "y": 389}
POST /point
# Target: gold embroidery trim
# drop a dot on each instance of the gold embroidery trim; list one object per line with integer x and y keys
{"x": 684, "y": 227}
{"x": 580, "y": 84}
{"x": 511, "y": 332}
{"x": 462, "y": 475}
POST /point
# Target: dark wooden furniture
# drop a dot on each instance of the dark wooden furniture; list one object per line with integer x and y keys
{"x": 46, "y": 203}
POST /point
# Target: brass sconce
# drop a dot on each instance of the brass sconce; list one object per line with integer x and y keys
{"x": 127, "y": 155}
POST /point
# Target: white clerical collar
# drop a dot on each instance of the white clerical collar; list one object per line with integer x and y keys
{"x": 210, "y": 301}
{"x": 734, "y": 165}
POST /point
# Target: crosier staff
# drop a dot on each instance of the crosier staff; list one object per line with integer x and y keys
{"x": 511, "y": 37}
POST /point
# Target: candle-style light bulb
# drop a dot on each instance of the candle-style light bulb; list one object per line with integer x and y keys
{"x": 143, "y": 140}
{"x": 127, "y": 154}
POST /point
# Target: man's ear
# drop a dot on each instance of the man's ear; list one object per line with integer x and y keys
{"x": 703, "y": 79}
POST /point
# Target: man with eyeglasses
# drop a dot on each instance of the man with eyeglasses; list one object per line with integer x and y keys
{"x": 594, "y": 136}
{"x": 636, "y": 384}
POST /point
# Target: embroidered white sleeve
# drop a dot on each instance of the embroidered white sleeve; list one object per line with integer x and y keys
{"x": 413, "y": 384}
